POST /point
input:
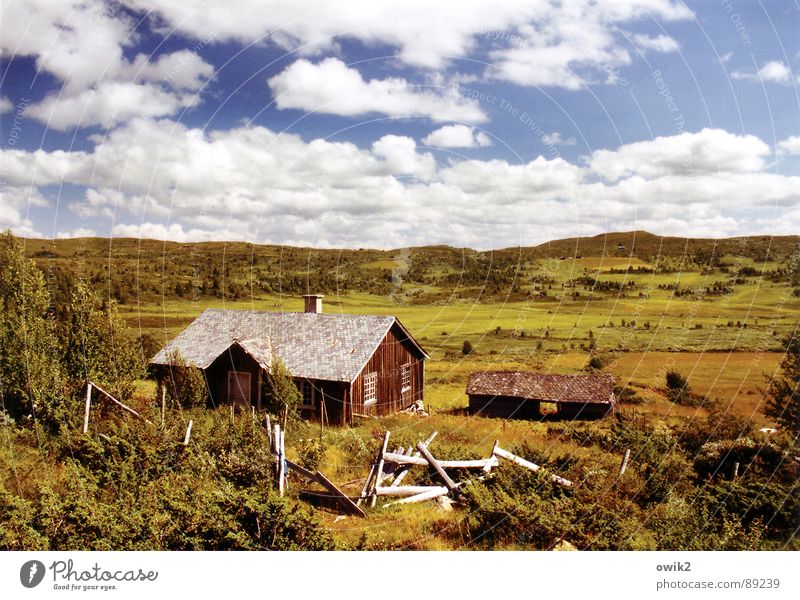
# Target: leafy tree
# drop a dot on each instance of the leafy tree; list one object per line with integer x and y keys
{"x": 467, "y": 348}
{"x": 185, "y": 384}
{"x": 98, "y": 345}
{"x": 282, "y": 397}
{"x": 783, "y": 403}
{"x": 29, "y": 374}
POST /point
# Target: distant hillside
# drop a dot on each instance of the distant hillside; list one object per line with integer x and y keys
{"x": 131, "y": 270}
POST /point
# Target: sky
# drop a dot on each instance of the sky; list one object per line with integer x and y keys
{"x": 390, "y": 124}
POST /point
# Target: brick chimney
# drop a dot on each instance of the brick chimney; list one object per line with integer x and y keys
{"x": 313, "y": 303}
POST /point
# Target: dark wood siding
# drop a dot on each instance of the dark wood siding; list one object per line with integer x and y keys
{"x": 328, "y": 394}
{"x": 234, "y": 359}
{"x": 394, "y": 351}
{"x": 503, "y": 406}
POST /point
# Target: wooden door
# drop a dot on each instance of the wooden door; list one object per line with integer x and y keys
{"x": 239, "y": 388}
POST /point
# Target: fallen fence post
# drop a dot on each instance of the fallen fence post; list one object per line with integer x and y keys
{"x": 480, "y": 463}
{"x": 281, "y": 464}
{"x": 120, "y": 404}
{"x": 87, "y": 407}
{"x": 528, "y": 465}
{"x": 379, "y": 469}
{"x": 188, "y": 433}
{"x": 429, "y": 495}
{"x": 409, "y": 490}
{"x": 367, "y": 482}
{"x": 400, "y": 476}
{"x": 344, "y": 500}
{"x": 488, "y": 467}
{"x": 436, "y": 467}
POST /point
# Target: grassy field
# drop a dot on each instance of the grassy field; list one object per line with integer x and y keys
{"x": 657, "y": 304}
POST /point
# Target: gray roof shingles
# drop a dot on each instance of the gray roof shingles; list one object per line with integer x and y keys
{"x": 544, "y": 387}
{"x": 329, "y": 347}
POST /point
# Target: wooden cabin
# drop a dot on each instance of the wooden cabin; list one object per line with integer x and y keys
{"x": 344, "y": 365}
{"x": 520, "y": 395}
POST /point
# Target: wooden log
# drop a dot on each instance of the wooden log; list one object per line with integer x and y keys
{"x": 480, "y": 463}
{"x": 118, "y": 403}
{"x": 87, "y": 407}
{"x": 735, "y": 472}
{"x": 379, "y": 468}
{"x": 408, "y": 490}
{"x": 429, "y": 495}
{"x": 293, "y": 466}
{"x": 188, "y": 433}
{"x": 528, "y": 465}
{"x": 366, "y": 488}
{"x": 401, "y": 475}
{"x": 344, "y": 500}
{"x": 451, "y": 485}
{"x": 624, "y": 464}
{"x": 276, "y": 439}
{"x": 488, "y": 467}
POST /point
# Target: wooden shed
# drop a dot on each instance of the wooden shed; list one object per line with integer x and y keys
{"x": 516, "y": 394}
{"x": 344, "y": 365}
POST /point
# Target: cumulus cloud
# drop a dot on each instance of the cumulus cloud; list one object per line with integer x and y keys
{"x": 160, "y": 178}
{"x": 82, "y": 43}
{"x": 457, "y": 136}
{"x": 772, "y": 72}
{"x": 334, "y": 88}
{"x": 707, "y": 151}
{"x": 556, "y": 139}
{"x": 5, "y": 105}
{"x": 659, "y": 43}
{"x": 533, "y": 42}
{"x": 790, "y": 146}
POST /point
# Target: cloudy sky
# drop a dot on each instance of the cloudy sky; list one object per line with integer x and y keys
{"x": 397, "y": 123}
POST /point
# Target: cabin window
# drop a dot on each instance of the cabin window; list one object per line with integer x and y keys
{"x": 307, "y": 389}
{"x": 370, "y": 388}
{"x": 405, "y": 377}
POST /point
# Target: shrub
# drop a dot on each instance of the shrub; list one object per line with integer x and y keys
{"x": 185, "y": 385}
{"x": 466, "y": 348}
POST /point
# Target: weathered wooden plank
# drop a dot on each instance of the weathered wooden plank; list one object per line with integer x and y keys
{"x": 401, "y": 475}
{"x": 281, "y": 464}
{"x": 293, "y": 466}
{"x": 488, "y": 467}
{"x": 118, "y": 403}
{"x": 451, "y": 485}
{"x": 379, "y": 468}
{"x": 87, "y": 407}
{"x": 344, "y": 500}
{"x": 408, "y": 490}
{"x": 429, "y": 495}
{"x": 448, "y": 464}
{"x": 367, "y": 482}
{"x": 498, "y": 451}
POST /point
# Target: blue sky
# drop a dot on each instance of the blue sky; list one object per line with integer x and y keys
{"x": 358, "y": 124}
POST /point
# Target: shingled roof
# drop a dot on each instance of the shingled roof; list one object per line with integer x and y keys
{"x": 329, "y": 347}
{"x": 543, "y": 387}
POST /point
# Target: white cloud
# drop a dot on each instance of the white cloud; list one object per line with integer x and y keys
{"x": 707, "y": 151}
{"x": 80, "y": 232}
{"x": 556, "y": 139}
{"x": 82, "y": 44}
{"x": 790, "y": 146}
{"x": 163, "y": 179}
{"x": 457, "y": 136}
{"x": 659, "y": 43}
{"x": 534, "y": 42}
{"x": 772, "y": 72}
{"x": 332, "y": 87}
{"x": 5, "y": 105}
